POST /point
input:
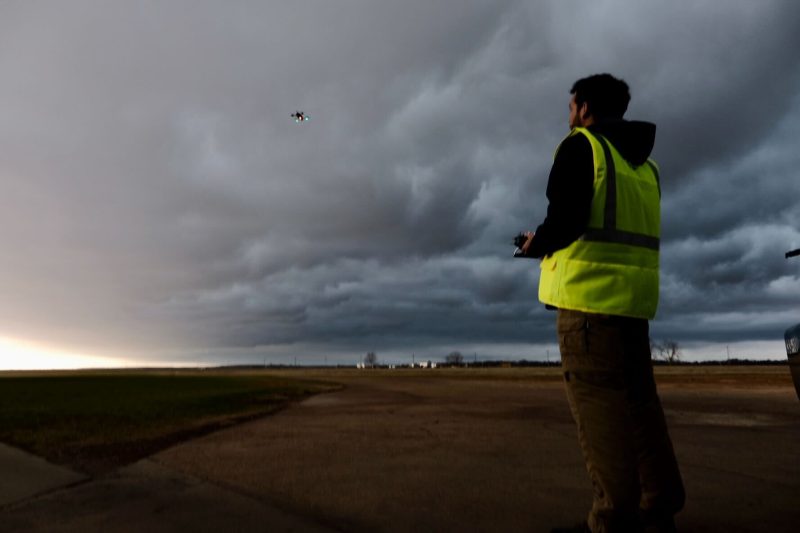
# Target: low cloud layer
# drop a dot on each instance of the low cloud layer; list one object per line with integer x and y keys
{"x": 158, "y": 197}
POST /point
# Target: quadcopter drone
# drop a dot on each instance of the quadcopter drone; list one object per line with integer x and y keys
{"x": 300, "y": 116}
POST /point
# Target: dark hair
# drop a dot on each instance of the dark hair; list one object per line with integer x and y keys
{"x": 606, "y": 96}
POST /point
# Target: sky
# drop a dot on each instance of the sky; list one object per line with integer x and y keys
{"x": 161, "y": 207}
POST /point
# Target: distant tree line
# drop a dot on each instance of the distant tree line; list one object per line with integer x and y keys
{"x": 454, "y": 358}
{"x": 512, "y": 364}
{"x": 663, "y": 352}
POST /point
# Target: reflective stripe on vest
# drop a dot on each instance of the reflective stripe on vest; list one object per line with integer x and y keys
{"x": 609, "y": 232}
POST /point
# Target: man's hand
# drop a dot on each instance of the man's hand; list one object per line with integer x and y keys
{"x": 523, "y": 241}
{"x": 524, "y": 249}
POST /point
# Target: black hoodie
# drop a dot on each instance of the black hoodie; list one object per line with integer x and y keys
{"x": 571, "y": 183}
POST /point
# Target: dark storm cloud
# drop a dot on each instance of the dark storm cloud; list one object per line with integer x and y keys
{"x": 157, "y": 194}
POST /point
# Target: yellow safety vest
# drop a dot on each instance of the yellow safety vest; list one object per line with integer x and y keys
{"x": 613, "y": 267}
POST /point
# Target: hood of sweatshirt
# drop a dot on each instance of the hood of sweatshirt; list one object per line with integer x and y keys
{"x": 632, "y": 138}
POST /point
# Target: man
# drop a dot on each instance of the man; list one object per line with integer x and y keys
{"x": 599, "y": 244}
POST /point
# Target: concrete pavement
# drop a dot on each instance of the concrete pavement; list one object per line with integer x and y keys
{"x": 23, "y": 475}
{"x": 148, "y": 497}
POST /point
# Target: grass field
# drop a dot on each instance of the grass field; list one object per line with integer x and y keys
{"x": 96, "y": 421}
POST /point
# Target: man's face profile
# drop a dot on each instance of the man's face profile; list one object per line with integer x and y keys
{"x": 577, "y": 115}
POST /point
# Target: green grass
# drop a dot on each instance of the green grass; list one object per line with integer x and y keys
{"x": 98, "y": 421}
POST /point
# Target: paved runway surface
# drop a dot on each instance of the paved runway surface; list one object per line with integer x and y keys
{"x": 416, "y": 452}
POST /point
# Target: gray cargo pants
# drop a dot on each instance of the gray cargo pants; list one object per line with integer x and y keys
{"x": 608, "y": 375}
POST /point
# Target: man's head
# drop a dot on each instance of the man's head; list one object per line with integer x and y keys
{"x": 596, "y": 98}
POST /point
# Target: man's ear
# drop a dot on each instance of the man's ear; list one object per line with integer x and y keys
{"x": 583, "y": 111}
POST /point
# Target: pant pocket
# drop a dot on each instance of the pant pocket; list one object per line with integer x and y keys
{"x": 573, "y": 338}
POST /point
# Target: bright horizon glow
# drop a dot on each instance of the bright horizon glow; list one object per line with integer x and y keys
{"x": 17, "y": 354}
